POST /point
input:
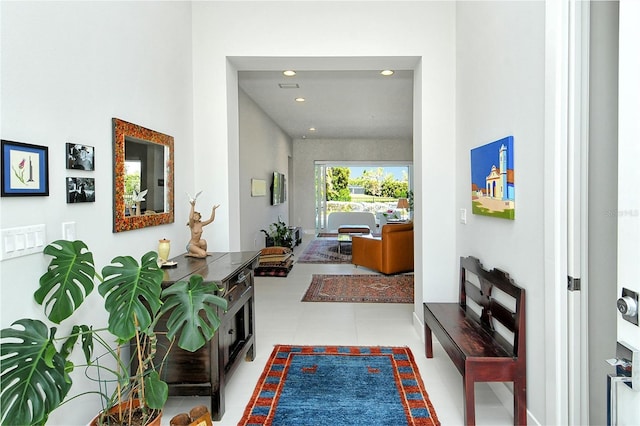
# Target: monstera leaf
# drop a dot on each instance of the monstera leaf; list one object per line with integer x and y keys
{"x": 156, "y": 391}
{"x": 34, "y": 377}
{"x": 68, "y": 280}
{"x": 85, "y": 333}
{"x": 132, "y": 294}
{"x": 186, "y": 300}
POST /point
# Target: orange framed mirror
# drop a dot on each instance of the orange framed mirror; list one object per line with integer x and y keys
{"x": 143, "y": 177}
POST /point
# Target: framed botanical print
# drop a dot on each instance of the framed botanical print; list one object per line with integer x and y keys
{"x": 25, "y": 169}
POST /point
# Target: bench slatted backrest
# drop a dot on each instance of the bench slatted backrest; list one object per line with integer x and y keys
{"x": 491, "y": 305}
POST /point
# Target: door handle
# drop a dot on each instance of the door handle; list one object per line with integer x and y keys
{"x": 612, "y": 400}
{"x": 627, "y": 364}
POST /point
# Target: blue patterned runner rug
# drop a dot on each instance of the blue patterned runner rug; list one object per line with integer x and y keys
{"x": 340, "y": 385}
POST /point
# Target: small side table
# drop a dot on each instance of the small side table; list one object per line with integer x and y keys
{"x": 296, "y": 235}
{"x": 343, "y": 238}
{"x": 346, "y": 231}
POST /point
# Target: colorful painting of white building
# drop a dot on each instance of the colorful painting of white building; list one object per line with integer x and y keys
{"x": 492, "y": 179}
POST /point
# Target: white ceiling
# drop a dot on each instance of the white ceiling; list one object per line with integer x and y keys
{"x": 349, "y": 104}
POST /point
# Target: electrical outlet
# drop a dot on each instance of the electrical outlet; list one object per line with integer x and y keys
{"x": 69, "y": 231}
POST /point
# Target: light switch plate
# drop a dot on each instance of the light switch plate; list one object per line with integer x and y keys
{"x": 21, "y": 241}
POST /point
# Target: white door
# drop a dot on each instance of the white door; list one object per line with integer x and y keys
{"x": 628, "y": 212}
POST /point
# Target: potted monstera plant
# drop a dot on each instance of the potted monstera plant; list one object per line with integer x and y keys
{"x": 36, "y": 362}
{"x": 279, "y": 234}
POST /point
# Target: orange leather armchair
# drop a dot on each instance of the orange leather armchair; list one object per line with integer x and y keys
{"x": 391, "y": 253}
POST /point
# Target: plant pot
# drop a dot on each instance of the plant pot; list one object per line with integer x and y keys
{"x": 157, "y": 421}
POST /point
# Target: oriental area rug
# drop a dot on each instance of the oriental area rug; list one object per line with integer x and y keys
{"x": 360, "y": 288}
{"x": 325, "y": 250}
{"x": 339, "y": 386}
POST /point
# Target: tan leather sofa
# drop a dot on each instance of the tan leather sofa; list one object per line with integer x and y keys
{"x": 390, "y": 253}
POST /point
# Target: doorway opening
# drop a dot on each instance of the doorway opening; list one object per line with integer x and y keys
{"x": 384, "y": 188}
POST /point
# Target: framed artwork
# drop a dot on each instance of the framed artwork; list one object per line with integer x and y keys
{"x": 258, "y": 187}
{"x": 79, "y": 157}
{"x": 81, "y": 190}
{"x": 25, "y": 169}
{"x": 493, "y": 179}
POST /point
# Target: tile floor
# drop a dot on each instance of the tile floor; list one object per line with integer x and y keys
{"x": 281, "y": 318}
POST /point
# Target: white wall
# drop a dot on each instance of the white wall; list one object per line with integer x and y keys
{"x": 264, "y": 148}
{"x": 338, "y": 33}
{"x": 306, "y": 151}
{"x": 500, "y": 92}
{"x": 67, "y": 69}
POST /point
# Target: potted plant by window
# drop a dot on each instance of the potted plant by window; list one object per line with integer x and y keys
{"x": 34, "y": 375}
{"x": 279, "y": 234}
{"x": 410, "y": 199}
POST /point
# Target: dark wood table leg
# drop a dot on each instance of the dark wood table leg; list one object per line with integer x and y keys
{"x": 428, "y": 341}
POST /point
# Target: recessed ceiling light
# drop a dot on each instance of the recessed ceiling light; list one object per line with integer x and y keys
{"x": 289, "y": 73}
{"x": 386, "y": 72}
{"x": 312, "y": 129}
{"x": 300, "y": 99}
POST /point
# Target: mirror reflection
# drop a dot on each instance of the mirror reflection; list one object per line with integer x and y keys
{"x": 143, "y": 177}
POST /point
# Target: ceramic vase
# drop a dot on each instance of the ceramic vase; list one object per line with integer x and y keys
{"x": 164, "y": 246}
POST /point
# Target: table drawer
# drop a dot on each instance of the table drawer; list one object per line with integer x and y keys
{"x": 237, "y": 285}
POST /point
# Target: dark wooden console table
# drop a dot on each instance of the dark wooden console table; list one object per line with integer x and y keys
{"x": 205, "y": 372}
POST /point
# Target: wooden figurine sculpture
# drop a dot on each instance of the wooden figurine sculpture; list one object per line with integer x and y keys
{"x": 197, "y": 247}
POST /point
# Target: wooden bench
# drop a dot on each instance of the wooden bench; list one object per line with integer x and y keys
{"x": 483, "y": 334}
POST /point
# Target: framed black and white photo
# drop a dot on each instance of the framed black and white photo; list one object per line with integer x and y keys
{"x": 25, "y": 169}
{"x": 80, "y": 157}
{"x": 81, "y": 190}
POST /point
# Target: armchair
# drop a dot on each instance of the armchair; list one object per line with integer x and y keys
{"x": 390, "y": 253}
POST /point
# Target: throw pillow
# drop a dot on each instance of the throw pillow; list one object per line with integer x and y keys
{"x": 275, "y": 250}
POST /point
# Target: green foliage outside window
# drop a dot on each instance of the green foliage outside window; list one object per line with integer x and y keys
{"x": 377, "y": 184}
{"x": 132, "y": 182}
{"x": 338, "y": 184}
{"x": 373, "y": 187}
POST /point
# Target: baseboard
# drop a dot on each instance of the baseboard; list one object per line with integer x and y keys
{"x": 505, "y": 396}
{"x": 418, "y": 325}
